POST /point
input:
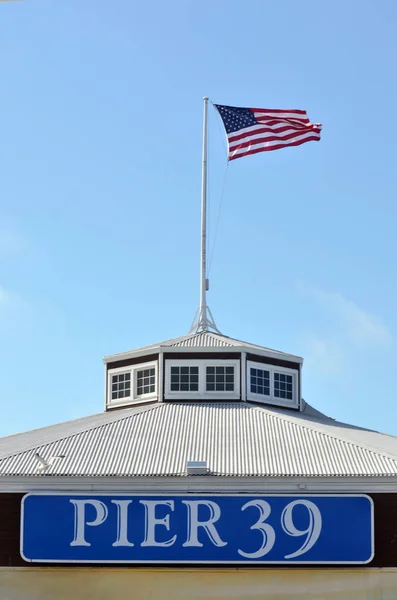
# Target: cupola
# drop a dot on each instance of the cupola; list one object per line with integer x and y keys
{"x": 203, "y": 366}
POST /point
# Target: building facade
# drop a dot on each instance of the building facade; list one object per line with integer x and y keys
{"x": 206, "y": 476}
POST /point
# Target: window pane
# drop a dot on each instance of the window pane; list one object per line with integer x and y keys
{"x": 260, "y": 384}
{"x": 145, "y": 381}
{"x": 283, "y": 386}
{"x": 121, "y": 385}
{"x": 184, "y": 379}
{"x": 210, "y": 370}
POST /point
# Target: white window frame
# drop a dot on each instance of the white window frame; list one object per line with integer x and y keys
{"x": 202, "y": 365}
{"x": 272, "y": 399}
{"x": 133, "y": 398}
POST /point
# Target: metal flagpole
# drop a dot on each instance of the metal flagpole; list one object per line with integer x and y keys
{"x": 203, "y": 320}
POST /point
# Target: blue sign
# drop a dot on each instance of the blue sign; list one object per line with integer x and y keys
{"x": 188, "y": 528}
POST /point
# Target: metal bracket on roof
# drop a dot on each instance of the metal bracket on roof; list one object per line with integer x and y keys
{"x": 203, "y": 321}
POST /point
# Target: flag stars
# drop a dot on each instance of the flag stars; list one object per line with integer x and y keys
{"x": 235, "y": 118}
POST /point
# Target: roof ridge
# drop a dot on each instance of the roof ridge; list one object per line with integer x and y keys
{"x": 136, "y": 410}
{"x": 368, "y": 448}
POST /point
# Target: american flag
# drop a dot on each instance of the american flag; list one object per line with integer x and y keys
{"x": 252, "y": 130}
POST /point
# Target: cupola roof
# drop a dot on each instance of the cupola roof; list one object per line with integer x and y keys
{"x": 204, "y": 341}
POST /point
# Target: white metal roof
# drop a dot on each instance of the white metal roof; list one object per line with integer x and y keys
{"x": 202, "y": 341}
{"x": 236, "y": 439}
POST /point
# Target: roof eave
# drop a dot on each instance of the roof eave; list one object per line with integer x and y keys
{"x": 184, "y": 484}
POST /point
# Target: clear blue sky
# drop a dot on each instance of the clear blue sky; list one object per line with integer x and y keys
{"x": 100, "y": 144}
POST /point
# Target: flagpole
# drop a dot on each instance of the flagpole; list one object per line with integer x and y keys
{"x": 203, "y": 320}
{"x": 203, "y": 275}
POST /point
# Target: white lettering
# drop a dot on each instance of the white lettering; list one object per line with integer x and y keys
{"x": 122, "y": 522}
{"x": 313, "y": 529}
{"x": 151, "y": 522}
{"x": 80, "y": 519}
{"x": 194, "y": 524}
{"x": 268, "y": 533}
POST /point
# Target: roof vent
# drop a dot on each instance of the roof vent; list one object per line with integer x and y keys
{"x": 197, "y": 467}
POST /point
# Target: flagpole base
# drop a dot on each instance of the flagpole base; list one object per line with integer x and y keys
{"x": 203, "y": 321}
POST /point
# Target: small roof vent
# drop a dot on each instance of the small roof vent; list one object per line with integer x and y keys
{"x": 197, "y": 467}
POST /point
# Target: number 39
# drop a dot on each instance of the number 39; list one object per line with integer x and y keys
{"x": 268, "y": 534}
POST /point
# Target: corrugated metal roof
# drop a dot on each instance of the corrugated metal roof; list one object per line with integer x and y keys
{"x": 204, "y": 339}
{"x": 235, "y": 439}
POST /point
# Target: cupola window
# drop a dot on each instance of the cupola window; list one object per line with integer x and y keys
{"x": 184, "y": 379}
{"x": 206, "y": 378}
{"x": 260, "y": 381}
{"x": 275, "y": 385}
{"x": 121, "y": 385}
{"x": 283, "y": 385}
{"x": 133, "y": 384}
{"x": 220, "y": 379}
{"x": 146, "y": 381}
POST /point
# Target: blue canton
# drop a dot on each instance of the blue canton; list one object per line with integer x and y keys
{"x": 235, "y": 118}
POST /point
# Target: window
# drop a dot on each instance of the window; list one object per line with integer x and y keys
{"x": 202, "y": 378}
{"x": 272, "y": 384}
{"x": 145, "y": 381}
{"x": 131, "y": 384}
{"x": 121, "y": 385}
{"x": 283, "y": 385}
{"x": 260, "y": 381}
{"x": 220, "y": 379}
{"x": 184, "y": 379}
